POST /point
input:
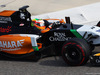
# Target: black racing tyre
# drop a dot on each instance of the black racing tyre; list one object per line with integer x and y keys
{"x": 76, "y": 52}
{"x": 92, "y": 47}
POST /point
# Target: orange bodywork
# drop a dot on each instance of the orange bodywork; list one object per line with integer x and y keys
{"x": 98, "y": 54}
{"x": 6, "y": 13}
{"x": 39, "y": 27}
{"x": 39, "y": 45}
{"x": 45, "y": 30}
{"x": 60, "y": 20}
{"x": 42, "y": 28}
{"x": 15, "y": 44}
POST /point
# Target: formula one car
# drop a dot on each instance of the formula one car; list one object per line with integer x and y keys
{"x": 20, "y": 38}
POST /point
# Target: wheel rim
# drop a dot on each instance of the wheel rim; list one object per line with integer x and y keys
{"x": 72, "y": 53}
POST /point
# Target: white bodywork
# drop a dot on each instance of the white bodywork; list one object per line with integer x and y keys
{"x": 33, "y": 38}
{"x": 94, "y": 30}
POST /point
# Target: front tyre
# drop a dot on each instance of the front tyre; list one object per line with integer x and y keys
{"x": 75, "y": 52}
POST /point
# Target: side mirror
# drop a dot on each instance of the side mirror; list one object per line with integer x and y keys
{"x": 67, "y": 19}
{"x": 69, "y": 22}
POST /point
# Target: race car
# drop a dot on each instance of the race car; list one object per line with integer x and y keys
{"x": 20, "y": 39}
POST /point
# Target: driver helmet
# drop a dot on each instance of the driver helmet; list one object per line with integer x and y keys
{"x": 39, "y": 21}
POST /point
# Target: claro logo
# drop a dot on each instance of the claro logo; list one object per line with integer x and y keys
{"x": 8, "y": 29}
{"x": 11, "y": 45}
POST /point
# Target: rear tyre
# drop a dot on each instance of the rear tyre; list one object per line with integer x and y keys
{"x": 75, "y": 52}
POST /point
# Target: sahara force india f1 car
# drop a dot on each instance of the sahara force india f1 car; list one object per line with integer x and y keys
{"x": 20, "y": 38}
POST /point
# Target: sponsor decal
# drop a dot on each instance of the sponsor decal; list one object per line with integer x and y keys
{"x": 8, "y": 29}
{"x": 59, "y": 36}
{"x": 11, "y": 45}
{"x": 98, "y": 60}
{"x": 5, "y": 19}
{"x": 98, "y": 30}
{"x": 21, "y": 24}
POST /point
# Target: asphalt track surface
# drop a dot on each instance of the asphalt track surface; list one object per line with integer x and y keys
{"x": 46, "y": 66}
